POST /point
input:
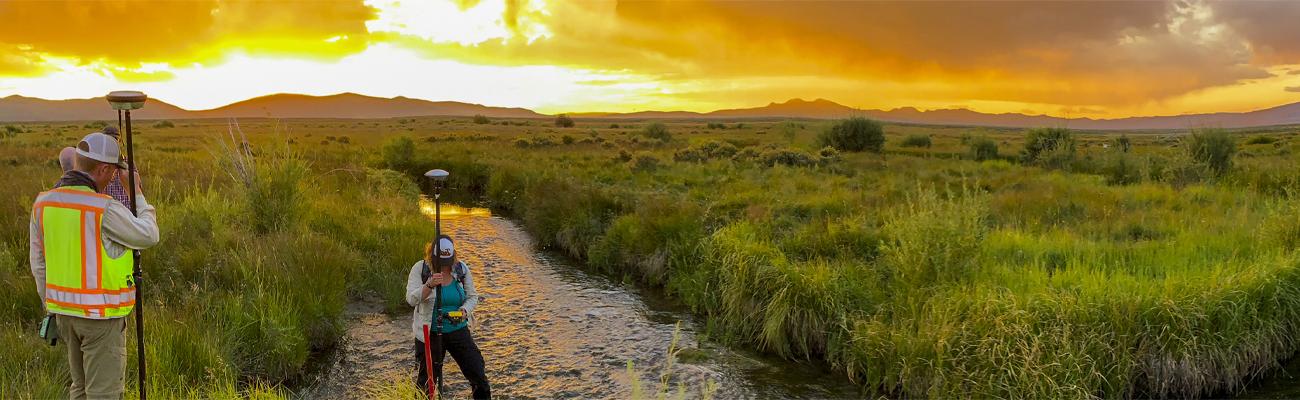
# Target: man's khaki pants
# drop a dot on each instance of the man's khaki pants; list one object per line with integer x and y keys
{"x": 96, "y": 356}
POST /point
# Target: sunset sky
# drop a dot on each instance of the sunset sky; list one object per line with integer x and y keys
{"x": 1075, "y": 59}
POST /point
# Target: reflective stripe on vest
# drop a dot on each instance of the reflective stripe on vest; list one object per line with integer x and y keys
{"x": 81, "y": 278}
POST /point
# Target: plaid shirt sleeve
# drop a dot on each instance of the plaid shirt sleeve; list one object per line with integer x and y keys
{"x": 118, "y": 191}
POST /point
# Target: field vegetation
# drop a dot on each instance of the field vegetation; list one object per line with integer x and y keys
{"x": 985, "y": 263}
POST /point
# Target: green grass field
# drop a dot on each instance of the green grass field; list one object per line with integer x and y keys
{"x": 918, "y": 271}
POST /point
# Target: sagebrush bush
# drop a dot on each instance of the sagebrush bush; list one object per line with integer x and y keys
{"x": 398, "y": 154}
{"x": 1049, "y": 147}
{"x": 710, "y": 150}
{"x": 657, "y": 131}
{"x": 983, "y": 149}
{"x": 916, "y": 140}
{"x": 645, "y": 162}
{"x": 855, "y": 134}
{"x": 481, "y": 119}
{"x": 787, "y": 156}
{"x": 1121, "y": 168}
{"x": 1212, "y": 148}
{"x": 1261, "y": 139}
{"x": 563, "y": 121}
{"x": 1121, "y": 144}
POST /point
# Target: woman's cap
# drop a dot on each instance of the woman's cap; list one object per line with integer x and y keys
{"x": 446, "y": 251}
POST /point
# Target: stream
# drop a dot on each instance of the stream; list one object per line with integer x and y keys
{"x": 549, "y": 328}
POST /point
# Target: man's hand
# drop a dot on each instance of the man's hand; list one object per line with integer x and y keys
{"x": 123, "y": 175}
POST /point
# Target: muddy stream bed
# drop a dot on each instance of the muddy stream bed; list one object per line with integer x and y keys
{"x": 550, "y": 329}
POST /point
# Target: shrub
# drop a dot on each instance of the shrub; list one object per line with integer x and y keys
{"x": 543, "y": 141}
{"x": 855, "y": 134}
{"x": 690, "y": 154}
{"x": 164, "y": 124}
{"x": 563, "y": 121}
{"x": 657, "y": 131}
{"x": 1121, "y": 144}
{"x": 398, "y": 154}
{"x": 623, "y": 156}
{"x": 1212, "y": 149}
{"x": 1049, "y": 147}
{"x": 613, "y": 126}
{"x": 11, "y": 131}
{"x": 717, "y": 125}
{"x": 1121, "y": 168}
{"x": 344, "y": 140}
{"x": 746, "y": 154}
{"x": 566, "y": 139}
{"x": 1261, "y": 139}
{"x": 983, "y": 149}
{"x": 828, "y": 154}
{"x": 787, "y": 156}
{"x": 916, "y": 140}
{"x": 521, "y": 143}
{"x": 645, "y": 162}
{"x": 706, "y": 151}
{"x": 481, "y": 119}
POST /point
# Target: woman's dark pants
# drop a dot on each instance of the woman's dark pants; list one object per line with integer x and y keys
{"x": 462, "y": 348}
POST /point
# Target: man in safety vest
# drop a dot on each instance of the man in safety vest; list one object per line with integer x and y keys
{"x": 81, "y": 257}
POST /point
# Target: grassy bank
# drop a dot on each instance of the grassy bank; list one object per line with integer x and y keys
{"x": 245, "y": 292}
{"x": 932, "y": 276}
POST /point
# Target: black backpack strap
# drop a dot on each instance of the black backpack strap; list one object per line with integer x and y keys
{"x": 459, "y": 271}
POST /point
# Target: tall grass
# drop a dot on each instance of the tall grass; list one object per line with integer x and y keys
{"x": 245, "y": 292}
{"x": 995, "y": 280}
{"x": 916, "y": 276}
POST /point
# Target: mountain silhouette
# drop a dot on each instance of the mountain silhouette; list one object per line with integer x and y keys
{"x": 351, "y": 105}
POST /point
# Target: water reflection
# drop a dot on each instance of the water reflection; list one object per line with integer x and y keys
{"x": 451, "y": 211}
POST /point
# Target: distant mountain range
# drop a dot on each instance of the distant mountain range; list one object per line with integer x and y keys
{"x": 346, "y": 105}
{"x": 350, "y": 105}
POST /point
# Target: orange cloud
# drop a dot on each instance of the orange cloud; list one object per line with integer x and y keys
{"x": 1081, "y": 54}
{"x": 129, "y": 33}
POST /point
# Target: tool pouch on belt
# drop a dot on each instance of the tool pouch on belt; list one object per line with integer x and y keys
{"x": 49, "y": 329}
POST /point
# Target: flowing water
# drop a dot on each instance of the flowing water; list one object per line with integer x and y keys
{"x": 548, "y": 329}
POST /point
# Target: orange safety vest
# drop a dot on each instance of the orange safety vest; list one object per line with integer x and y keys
{"x": 81, "y": 279}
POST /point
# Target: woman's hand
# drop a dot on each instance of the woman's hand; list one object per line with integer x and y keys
{"x": 434, "y": 280}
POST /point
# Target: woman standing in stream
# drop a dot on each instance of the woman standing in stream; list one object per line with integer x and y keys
{"x": 458, "y": 300}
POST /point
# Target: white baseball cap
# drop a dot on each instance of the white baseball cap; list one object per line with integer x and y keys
{"x": 103, "y": 148}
